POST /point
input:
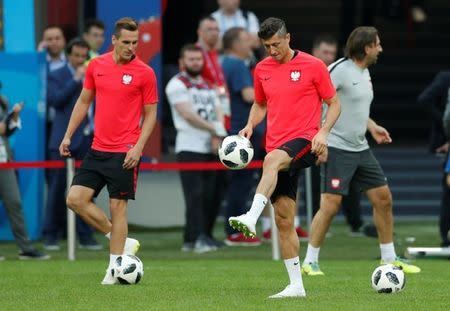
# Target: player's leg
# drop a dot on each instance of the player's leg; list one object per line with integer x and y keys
{"x": 274, "y": 161}
{"x": 372, "y": 180}
{"x": 284, "y": 204}
{"x": 79, "y": 199}
{"x": 336, "y": 176}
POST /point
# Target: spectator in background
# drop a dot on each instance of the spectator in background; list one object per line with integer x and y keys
{"x": 437, "y": 98}
{"x": 212, "y": 73}
{"x": 53, "y": 43}
{"x": 236, "y": 45}
{"x": 198, "y": 121}
{"x": 63, "y": 88}
{"x": 94, "y": 35}
{"x": 230, "y": 15}
{"x": 9, "y": 188}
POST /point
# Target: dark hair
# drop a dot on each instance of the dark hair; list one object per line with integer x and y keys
{"x": 191, "y": 47}
{"x": 92, "y": 22}
{"x": 127, "y": 23}
{"x": 53, "y": 27}
{"x": 76, "y": 42}
{"x": 358, "y": 40}
{"x": 230, "y": 36}
{"x": 206, "y": 18}
{"x": 324, "y": 38}
{"x": 272, "y": 26}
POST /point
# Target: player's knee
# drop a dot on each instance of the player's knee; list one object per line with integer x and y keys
{"x": 330, "y": 204}
{"x": 272, "y": 161}
{"x": 284, "y": 223}
{"x": 73, "y": 202}
{"x": 383, "y": 199}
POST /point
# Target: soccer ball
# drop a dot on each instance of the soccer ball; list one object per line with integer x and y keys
{"x": 128, "y": 269}
{"x": 235, "y": 152}
{"x": 388, "y": 279}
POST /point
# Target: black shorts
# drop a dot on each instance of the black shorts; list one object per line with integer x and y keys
{"x": 345, "y": 167}
{"x": 299, "y": 150}
{"x": 101, "y": 168}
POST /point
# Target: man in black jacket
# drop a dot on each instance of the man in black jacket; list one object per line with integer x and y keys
{"x": 437, "y": 96}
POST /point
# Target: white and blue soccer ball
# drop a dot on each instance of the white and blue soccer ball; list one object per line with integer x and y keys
{"x": 128, "y": 269}
{"x": 388, "y": 279}
{"x": 235, "y": 152}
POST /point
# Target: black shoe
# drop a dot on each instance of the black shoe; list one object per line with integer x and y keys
{"x": 33, "y": 254}
{"x": 90, "y": 244}
{"x": 370, "y": 231}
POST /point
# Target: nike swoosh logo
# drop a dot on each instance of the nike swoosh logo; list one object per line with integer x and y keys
{"x": 266, "y": 78}
{"x": 100, "y": 74}
{"x": 296, "y": 263}
{"x": 123, "y": 193}
{"x": 355, "y": 83}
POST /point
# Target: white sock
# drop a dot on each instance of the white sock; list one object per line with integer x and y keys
{"x": 388, "y": 252}
{"x": 296, "y": 221}
{"x": 112, "y": 259}
{"x": 312, "y": 254}
{"x": 258, "y": 204}
{"x": 108, "y": 235}
{"x": 266, "y": 223}
{"x": 293, "y": 269}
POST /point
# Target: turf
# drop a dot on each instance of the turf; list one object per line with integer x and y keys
{"x": 231, "y": 278}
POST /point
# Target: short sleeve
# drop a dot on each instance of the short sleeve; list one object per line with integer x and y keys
{"x": 260, "y": 96}
{"x": 150, "y": 88}
{"x": 240, "y": 78}
{"x": 323, "y": 83}
{"x": 336, "y": 76}
{"x": 177, "y": 92}
{"x": 89, "y": 82}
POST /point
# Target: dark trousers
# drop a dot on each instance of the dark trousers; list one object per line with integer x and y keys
{"x": 55, "y": 219}
{"x": 198, "y": 190}
{"x": 444, "y": 217}
{"x": 10, "y": 196}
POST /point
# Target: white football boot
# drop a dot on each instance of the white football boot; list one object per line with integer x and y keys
{"x": 109, "y": 278}
{"x": 131, "y": 246}
{"x": 244, "y": 224}
{"x": 291, "y": 290}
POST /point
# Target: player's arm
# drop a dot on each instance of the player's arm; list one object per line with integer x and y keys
{"x": 79, "y": 112}
{"x": 257, "y": 114}
{"x": 319, "y": 142}
{"x": 379, "y": 133}
{"x": 134, "y": 154}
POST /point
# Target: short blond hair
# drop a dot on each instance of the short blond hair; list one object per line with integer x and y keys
{"x": 127, "y": 23}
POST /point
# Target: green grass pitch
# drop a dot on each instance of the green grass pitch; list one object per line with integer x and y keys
{"x": 229, "y": 279}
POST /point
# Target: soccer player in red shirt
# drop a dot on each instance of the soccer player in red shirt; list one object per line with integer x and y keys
{"x": 289, "y": 87}
{"x": 124, "y": 88}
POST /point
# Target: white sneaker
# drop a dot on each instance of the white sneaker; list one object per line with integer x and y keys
{"x": 131, "y": 246}
{"x": 109, "y": 278}
{"x": 290, "y": 291}
{"x": 244, "y": 224}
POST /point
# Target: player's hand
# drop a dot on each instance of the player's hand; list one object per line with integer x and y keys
{"x": 442, "y": 149}
{"x": 319, "y": 142}
{"x": 17, "y": 108}
{"x": 381, "y": 135}
{"x": 215, "y": 144}
{"x": 42, "y": 46}
{"x": 322, "y": 158}
{"x": 132, "y": 158}
{"x": 64, "y": 150}
{"x": 247, "y": 131}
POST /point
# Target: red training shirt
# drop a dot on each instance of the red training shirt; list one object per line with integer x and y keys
{"x": 121, "y": 92}
{"x": 293, "y": 93}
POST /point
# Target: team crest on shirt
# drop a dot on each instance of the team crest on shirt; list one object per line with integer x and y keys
{"x": 127, "y": 78}
{"x": 295, "y": 75}
{"x": 335, "y": 183}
